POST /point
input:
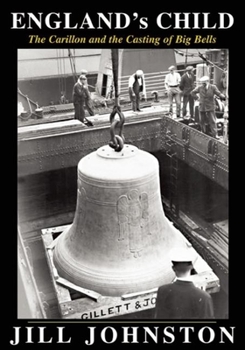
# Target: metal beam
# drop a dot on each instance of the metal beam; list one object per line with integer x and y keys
{"x": 202, "y": 152}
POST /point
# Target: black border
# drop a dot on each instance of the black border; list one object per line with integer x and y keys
{"x": 19, "y": 39}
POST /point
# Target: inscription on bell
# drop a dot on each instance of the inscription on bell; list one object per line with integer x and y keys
{"x": 133, "y": 218}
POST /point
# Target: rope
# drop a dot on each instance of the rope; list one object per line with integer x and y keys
{"x": 115, "y": 63}
{"x": 58, "y": 68}
{"x": 199, "y": 54}
{"x": 64, "y": 79}
{"x": 210, "y": 62}
{"x": 72, "y": 66}
{"x": 186, "y": 55}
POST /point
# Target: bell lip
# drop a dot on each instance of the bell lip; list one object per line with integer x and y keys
{"x": 108, "y": 284}
{"x": 112, "y": 282}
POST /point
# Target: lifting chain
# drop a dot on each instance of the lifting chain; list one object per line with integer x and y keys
{"x": 117, "y": 141}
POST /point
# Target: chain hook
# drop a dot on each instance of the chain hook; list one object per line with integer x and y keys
{"x": 117, "y": 141}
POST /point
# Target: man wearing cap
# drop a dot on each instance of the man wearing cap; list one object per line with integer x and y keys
{"x": 81, "y": 96}
{"x": 206, "y": 93}
{"x": 172, "y": 81}
{"x": 187, "y": 85}
{"x": 84, "y": 72}
{"x": 182, "y": 299}
{"x": 136, "y": 85}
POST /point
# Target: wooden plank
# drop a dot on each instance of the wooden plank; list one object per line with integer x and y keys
{"x": 62, "y": 293}
{"x": 218, "y": 240}
{"x": 223, "y": 237}
{"x": 188, "y": 221}
{"x": 48, "y": 128}
{"x": 90, "y": 293}
{"x": 51, "y": 118}
{"x": 197, "y": 235}
{"x": 223, "y": 227}
{"x": 106, "y": 307}
{"x": 56, "y": 229}
{"x": 218, "y": 248}
{"x": 137, "y": 294}
{"x": 45, "y": 126}
{"x": 207, "y": 281}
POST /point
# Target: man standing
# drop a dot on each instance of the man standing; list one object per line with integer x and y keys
{"x": 172, "y": 82}
{"x": 207, "y": 116}
{"x": 88, "y": 101}
{"x": 187, "y": 85}
{"x": 81, "y": 96}
{"x": 182, "y": 299}
{"x": 136, "y": 85}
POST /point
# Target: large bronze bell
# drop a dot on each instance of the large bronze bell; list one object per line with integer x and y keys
{"x": 120, "y": 239}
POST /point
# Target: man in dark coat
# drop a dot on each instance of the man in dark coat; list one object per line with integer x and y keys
{"x": 182, "y": 299}
{"x": 81, "y": 97}
{"x": 207, "y": 93}
{"x": 88, "y": 101}
{"x": 187, "y": 85}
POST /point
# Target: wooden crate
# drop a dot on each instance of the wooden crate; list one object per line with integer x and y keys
{"x": 76, "y": 302}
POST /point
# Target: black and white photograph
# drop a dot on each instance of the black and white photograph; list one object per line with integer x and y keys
{"x": 123, "y": 183}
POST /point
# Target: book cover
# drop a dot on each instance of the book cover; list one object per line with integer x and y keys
{"x": 49, "y": 52}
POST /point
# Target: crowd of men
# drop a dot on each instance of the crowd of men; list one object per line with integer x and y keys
{"x": 178, "y": 88}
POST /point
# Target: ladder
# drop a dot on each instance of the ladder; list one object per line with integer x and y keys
{"x": 173, "y": 193}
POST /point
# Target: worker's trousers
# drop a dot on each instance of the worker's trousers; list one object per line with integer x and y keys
{"x": 208, "y": 118}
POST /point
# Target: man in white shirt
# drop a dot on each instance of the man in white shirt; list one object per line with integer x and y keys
{"x": 136, "y": 85}
{"x": 172, "y": 82}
